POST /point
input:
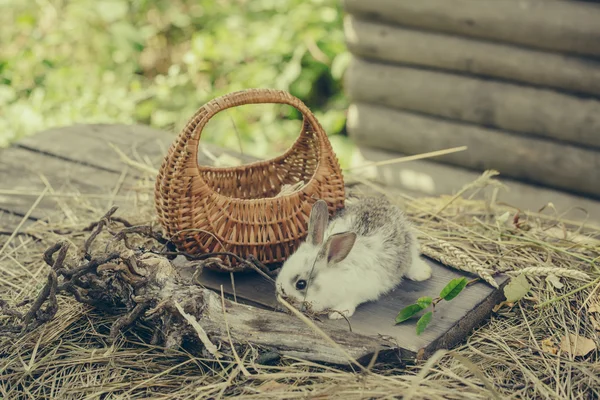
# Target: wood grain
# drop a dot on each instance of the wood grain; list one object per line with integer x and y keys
{"x": 24, "y": 171}
{"x": 377, "y": 318}
{"x": 91, "y": 145}
{"x": 395, "y": 44}
{"x": 563, "y": 26}
{"x": 80, "y": 159}
{"x": 506, "y": 106}
{"x": 9, "y": 222}
{"x": 289, "y": 336}
{"x": 533, "y": 160}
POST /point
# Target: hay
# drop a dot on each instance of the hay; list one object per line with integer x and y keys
{"x": 288, "y": 189}
{"x": 517, "y": 354}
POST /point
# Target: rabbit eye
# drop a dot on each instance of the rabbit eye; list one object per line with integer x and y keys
{"x": 301, "y": 284}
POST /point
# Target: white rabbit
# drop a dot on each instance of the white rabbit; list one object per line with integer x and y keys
{"x": 364, "y": 253}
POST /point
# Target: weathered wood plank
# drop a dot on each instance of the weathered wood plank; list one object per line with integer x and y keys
{"x": 23, "y": 173}
{"x": 290, "y": 336}
{"x": 432, "y": 178}
{"x": 530, "y": 159}
{"x": 471, "y": 56}
{"x": 80, "y": 157}
{"x": 570, "y": 27}
{"x": 91, "y": 145}
{"x": 9, "y": 222}
{"x": 451, "y": 324}
{"x": 511, "y": 107}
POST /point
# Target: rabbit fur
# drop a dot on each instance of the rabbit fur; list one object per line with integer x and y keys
{"x": 364, "y": 252}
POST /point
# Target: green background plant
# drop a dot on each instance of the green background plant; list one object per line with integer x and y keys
{"x": 156, "y": 61}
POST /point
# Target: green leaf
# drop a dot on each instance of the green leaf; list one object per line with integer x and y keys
{"x": 408, "y": 312}
{"x": 453, "y": 288}
{"x": 424, "y": 302}
{"x": 517, "y": 288}
{"x": 423, "y": 322}
{"x": 340, "y": 64}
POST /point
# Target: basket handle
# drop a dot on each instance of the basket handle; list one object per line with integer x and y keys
{"x": 190, "y": 136}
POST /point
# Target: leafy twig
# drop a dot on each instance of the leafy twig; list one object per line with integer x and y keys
{"x": 448, "y": 293}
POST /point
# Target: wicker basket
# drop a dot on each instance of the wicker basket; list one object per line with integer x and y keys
{"x": 204, "y": 209}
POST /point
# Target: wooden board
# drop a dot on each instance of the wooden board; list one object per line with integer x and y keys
{"x": 55, "y": 157}
{"x": 523, "y": 109}
{"x": 564, "y": 26}
{"x": 9, "y": 222}
{"x": 533, "y": 160}
{"x": 396, "y": 44}
{"x": 91, "y": 145}
{"x": 451, "y": 324}
{"x": 51, "y": 154}
{"x": 25, "y": 174}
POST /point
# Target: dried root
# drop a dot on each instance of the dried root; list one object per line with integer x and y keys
{"x": 138, "y": 285}
{"x": 212, "y": 260}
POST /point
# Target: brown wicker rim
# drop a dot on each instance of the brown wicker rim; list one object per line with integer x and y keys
{"x": 189, "y": 195}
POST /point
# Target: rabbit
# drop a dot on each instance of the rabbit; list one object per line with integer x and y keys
{"x": 364, "y": 253}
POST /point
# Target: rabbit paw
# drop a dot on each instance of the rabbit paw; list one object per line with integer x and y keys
{"x": 342, "y": 311}
{"x": 419, "y": 271}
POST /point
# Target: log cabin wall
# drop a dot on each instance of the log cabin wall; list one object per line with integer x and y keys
{"x": 516, "y": 81}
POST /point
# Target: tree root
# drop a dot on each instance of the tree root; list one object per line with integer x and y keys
{"x": 144, "y": 286}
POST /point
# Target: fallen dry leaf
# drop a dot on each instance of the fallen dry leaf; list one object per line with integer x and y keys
{"x": 554, "y": 281}
{"x": 577, "y": 345}
{"x": 549, "y": 346}
{"x": 517, "y": 288}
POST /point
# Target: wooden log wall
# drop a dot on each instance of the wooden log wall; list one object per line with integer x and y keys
{"x": 468, "y": 56}
{"x": 555, "y": 25}
{"x": 531, "y": 159}
{"x": 516, "y": 81}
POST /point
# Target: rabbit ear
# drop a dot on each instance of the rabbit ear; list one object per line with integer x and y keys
{"x": 339, "y": 245}
{"x": 319, "y": 216}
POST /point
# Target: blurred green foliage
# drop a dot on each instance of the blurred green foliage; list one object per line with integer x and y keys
{"x": 156, "y": 61}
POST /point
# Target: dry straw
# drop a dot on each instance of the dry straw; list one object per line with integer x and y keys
{"x": 516, "y": 355}
{"x": 456, "y": 258}
{"x": 559, "y": 272}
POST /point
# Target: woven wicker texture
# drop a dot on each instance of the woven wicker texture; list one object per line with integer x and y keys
{"x": 204, "y": 209}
